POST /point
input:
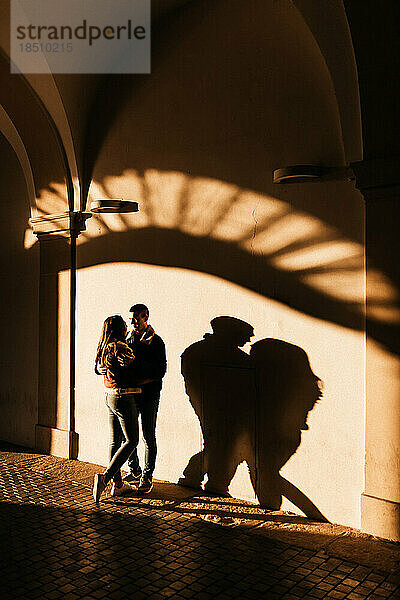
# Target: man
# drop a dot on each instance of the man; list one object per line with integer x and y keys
{"x": 149, "y": 368}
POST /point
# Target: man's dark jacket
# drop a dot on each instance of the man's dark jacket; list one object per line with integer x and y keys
{"x": 150, "y": 363}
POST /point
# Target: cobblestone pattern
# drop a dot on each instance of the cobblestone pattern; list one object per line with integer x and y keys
{"x": 57, "y": 544}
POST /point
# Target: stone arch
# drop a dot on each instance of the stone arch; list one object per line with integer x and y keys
{"x": 10, "y": 132}
{"x": 44, "y": 150}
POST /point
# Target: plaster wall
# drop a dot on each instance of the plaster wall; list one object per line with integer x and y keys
{"x": 19, "y": 307}
{"x": 187, "y": 279}
{"x": 383, "y": 424}
{"x": 328, "y": 465}
{"x": 232, "y": 95}
{"x": 381, "y": 499}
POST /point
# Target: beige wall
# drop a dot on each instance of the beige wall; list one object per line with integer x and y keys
{"x": 328, "y": 466}
{"x": 196, "y": 144}
{"x": 302, "y": 258}
{"x": 233, "y": 94}
{"x": 19, "y": 301}
{"x": 383, "y": 424}
{"x": 381, "y": 498}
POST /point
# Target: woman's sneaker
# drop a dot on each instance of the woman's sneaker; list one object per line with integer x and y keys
{"x": 98, "y": 486}
{"x": 122, "y": 490}
{"x": 133, "y": 478}
{"x": 145, "y": 485}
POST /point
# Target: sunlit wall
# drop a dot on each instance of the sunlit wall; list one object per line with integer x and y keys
{"x": 328, "y": 465}
{"x": 233, "y": 94}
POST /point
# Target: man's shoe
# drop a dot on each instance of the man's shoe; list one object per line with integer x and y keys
{"x": 133, "y": 478}
{"x": 145, "y": 485}
{"x": 122, "y": 490}
{"x": 98, "y": 486}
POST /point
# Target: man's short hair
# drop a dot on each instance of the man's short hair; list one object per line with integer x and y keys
{"x": 138, "y": 308}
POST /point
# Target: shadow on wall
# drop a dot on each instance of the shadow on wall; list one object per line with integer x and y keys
{"x": 258, "y": 272}
{"x": 251, "y": 408}
{"x": 197, "y": 170}
{"x": 232, "y": 125}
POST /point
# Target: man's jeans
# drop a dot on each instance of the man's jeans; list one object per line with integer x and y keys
{"x": 124, "y": 432}
{"x": 147, "y": 407}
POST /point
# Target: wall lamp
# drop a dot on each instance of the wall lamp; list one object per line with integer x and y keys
{"x": 297, "y": 174}
{"x": 71, "y": 223}
{"x": 113, "y": 206}
{"x": 309, "y": 173}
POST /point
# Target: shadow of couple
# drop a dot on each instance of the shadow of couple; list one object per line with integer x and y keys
{"x": 251, "y": 407}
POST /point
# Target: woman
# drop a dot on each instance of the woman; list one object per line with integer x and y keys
{"x": 114, "y": 358}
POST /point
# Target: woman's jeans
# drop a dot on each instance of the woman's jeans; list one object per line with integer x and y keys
{"x": 123, "y": 424}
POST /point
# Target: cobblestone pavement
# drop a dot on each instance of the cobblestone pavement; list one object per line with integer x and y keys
{"x": 57, "y": 544}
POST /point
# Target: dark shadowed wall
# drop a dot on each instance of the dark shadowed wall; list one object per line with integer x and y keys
{"x": 19, "y": 301}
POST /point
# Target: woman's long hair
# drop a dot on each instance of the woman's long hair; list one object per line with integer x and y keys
{"x": 114, "y": 330}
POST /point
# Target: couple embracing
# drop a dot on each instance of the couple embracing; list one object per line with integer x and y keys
{"x": 132, "y": 369}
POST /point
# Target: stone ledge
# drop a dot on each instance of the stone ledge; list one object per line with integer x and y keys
{"x": 57, "y": 442}
{"x": 380, "y": 517}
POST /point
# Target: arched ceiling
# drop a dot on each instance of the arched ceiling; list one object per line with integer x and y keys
{"x": 52, "y": 114}
{"x": 260, "y": 77}
{"x": 56, "y": 122}
{"x": 14, "y": 139}
{"x": 332, "y": 33}
{"x": 67, "y": 100}
{"x": 41, "y": 140}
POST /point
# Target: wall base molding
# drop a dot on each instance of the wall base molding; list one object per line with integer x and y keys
{"x": 57, "y": 442}
{"x": 380, "y": 517}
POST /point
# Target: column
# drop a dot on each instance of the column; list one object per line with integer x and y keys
{"x": 55, "y": 431}
{"x": 379, "y": 181}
